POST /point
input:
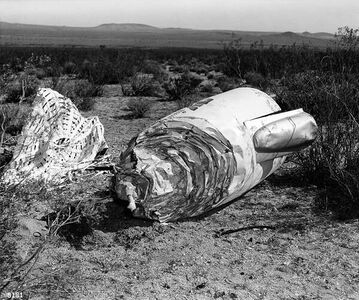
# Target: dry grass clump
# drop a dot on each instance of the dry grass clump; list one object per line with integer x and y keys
{"x": 138, "y": 107}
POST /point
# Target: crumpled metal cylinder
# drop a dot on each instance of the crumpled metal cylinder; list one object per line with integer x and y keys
{"x": 204, "y": 156}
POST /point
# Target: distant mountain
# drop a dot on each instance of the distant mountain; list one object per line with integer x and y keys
{"x": 126, "y": 27}
{"x": 27, "y": 27}
{"x": 320, "y": 35}
{"x": 142, "y": 35}
{"x": 289, "y": 33}
{"x": 123, "y": 27}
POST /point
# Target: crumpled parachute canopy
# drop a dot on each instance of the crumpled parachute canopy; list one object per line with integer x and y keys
{"x": 55, "y": 140}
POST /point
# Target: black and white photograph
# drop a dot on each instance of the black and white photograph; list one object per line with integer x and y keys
{"x": 194, "y": 149}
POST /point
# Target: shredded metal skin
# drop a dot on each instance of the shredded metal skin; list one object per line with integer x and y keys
{"x": 205, "y": 156}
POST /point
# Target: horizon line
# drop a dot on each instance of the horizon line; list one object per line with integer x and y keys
{"x": 157, "y": 27}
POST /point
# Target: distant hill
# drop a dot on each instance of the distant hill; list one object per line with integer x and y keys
{"x": 320, "y": 35}
{"x": 289, "y": 33}
{"x": 141, "y": 35}
{"x": 126, "y": 27}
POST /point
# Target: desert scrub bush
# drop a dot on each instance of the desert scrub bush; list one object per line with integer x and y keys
{"x": 13, "y": 117}
{"x": 226, "y": 83}
{"x": 110, "y": 66}
{"x": 85, "y": 104}
{"x": 138, "y": 107}
{"x": 187, "y": 100}
{"x": 155, "y": 69}
{"x": 333, "y": 100}
{"x": 329, "y": 97}
{"x": 181, "y": 86}
{"x": 126, "y": 89}
{"x": 144, "y": 85}
{"x": 73, "y": 88}
{"x": 24, "y": 87}
{"x": 333, "y": 163}
{"x": 207, "y": 86}
{"x": 233, "y": 58}
{"x": 256, "y": 80}
{"x": 81, "y": 92}
{"x": 102, "y": 71}
{"x": 13, "y": 92}
{"x": 347, "y": 38}
{"x": 70, "y": 68}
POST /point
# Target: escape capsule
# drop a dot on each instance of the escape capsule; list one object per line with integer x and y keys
{"x": 202, "y": 157}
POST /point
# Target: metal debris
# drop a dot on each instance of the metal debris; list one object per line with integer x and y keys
{"x": 203, "y": 157}
{"x": 55, "y": 140}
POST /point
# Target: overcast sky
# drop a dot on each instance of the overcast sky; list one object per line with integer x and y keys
{"x": 262, "y": 15}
